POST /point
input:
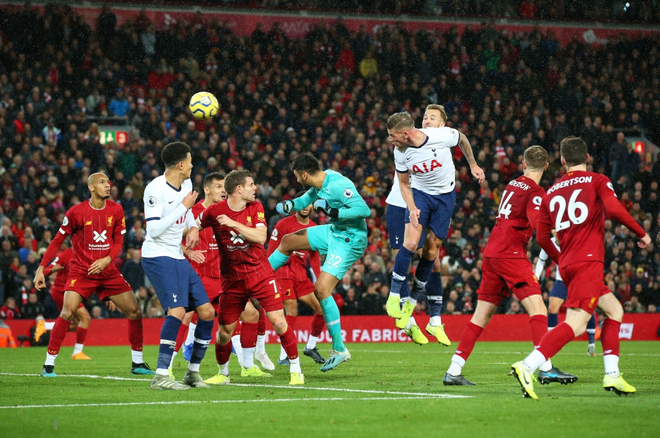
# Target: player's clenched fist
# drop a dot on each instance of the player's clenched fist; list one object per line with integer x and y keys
{"x": 284, "y": 207}
{"x": 189, "y": 200}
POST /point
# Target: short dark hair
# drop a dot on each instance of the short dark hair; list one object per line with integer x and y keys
{"x": 174, "y": 152}
{"x": 306, "y": 163}
{"x": 213, "y": 176}
{"x": 574, "y": 151}
{"x": 236, "y": 178}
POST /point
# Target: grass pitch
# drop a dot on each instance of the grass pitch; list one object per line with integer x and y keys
{"x": 387, "y": 390}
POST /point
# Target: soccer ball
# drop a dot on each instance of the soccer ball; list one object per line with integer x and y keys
{"x": 203, "y": 105}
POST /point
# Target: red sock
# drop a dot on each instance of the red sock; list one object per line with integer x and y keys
{"x": 239, "y": 329}
{"x": 609, "y": 337}
{"x": 291, "y": 321}
{"x": 469, "y": 337}
{"x": 555, "y": 339}
{"x": 135, "y": 334}
{"x": 261, "y": 328}
{"x": 249, "y": 335}
{"x": 195, "y": 318}
{"x": 81, "y": 334}
{"x": 317, "y": 325}
{"x": 539, "y": 326}
{"x": 222, "y": 353}
{"x": 57, "y": 335}
{"x": 289, "y": 343}
{"x": 181, "y": 337}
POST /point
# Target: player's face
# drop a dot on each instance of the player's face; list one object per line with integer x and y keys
{"x": 101, "y": 186}
{"x": 249, "y": 190}
{"x": 305, "y": 212}
{"x": 433, "y": 119}
{"x": 216, "y": 192}
{"x": 187, "y": 166}
{"x": 301, "y": 177}
{"x": 400, "y": 139}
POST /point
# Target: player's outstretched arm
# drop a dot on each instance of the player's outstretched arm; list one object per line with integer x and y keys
{"x": 466, "y": 148}
{"x": 49, "y": 255}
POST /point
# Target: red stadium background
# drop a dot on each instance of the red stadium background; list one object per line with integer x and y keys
{"x": 635, "y": 326}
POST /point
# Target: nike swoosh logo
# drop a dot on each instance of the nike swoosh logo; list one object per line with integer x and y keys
{"x": 525, "y": 378}
{"x": 170, "y": 202}
{"x": 408, "y": 158}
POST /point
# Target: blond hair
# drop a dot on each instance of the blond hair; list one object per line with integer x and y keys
{"x": 536, "y": 157}
{"x": 439, "y": 108}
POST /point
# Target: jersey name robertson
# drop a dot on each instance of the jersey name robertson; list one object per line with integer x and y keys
{"x": 431, "y": 165}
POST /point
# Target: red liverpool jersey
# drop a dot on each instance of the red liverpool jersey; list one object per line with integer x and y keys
{"x": 296, "y": 266}
{"x": 63, "y": 259}
{"x": 516, "y": 219}
{"x": 207, "y": 242}
{"x": 95, "y": 234}
{"x": 239, "y": 258}
{"x": 575, "y": 208}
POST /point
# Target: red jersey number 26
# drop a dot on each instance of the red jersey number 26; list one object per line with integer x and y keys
{"x": 576, "y": 211}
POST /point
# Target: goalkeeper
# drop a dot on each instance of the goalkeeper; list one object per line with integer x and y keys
{"x": 343, "y": 240}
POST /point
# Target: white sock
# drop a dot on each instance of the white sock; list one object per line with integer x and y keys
{"x": 136, "y": 356}
{"x": 162, "y": 372}
{"x": 50, "y": 359}
{"x": 311, "y": 342}
{"x": 224, "y": 369}
{"x": 397, "y": 296}
{"x": 546, "y": 366}
{"x": 411, "y": 322}
{"x": 190, "y": 336}
{"x": 435, "y": 321}
{"x": 248, "y": 358}
{"x": 283, "y": 354}
{"x": 174, "y": 353}
{"x": 534, "y": 361}
{"x": 77, "y": 348}
{"x": 295, "y": 365}
{"x": 49, "y": 325}
{"x": 611, "y": 365}
{"x": 457, "y": 363}
{"x": 238, "y": 348}
{"x": 194, "y": 367}
{"x": 261, "y": 344}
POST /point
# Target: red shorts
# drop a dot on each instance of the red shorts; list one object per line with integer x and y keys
{"x": 58, "y": 296}
{"x": 585, "y": 285}
{"x": 236, "y": 293}
{"x": 103, "y": 286}
{"x": 502, "y": 276}
{"x": 213, "y": 288}
{"x": 293, "y": 289}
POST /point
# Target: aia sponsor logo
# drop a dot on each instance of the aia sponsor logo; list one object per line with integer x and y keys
{"x": 426, "y": 166}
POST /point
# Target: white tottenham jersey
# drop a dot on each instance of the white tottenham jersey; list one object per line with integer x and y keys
{"x": 431, "y": 165}
{"x": 166, "y": 218}
{"x": 395, "y": 197}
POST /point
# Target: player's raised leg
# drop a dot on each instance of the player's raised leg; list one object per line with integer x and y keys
{"x": 434, "y": 295}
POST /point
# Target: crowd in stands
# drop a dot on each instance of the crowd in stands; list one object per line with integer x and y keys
{"x": 329, "y": 93}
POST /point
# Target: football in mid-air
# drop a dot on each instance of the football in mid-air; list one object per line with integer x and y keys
{"x": 203, "y": 105}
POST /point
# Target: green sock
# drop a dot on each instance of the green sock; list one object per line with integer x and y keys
{"x": 331, "y": 316}
{"x": 277, "y": 260}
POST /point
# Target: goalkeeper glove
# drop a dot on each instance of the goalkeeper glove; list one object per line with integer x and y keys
{"x": 284, "y": 207}
{"x": 322, "y": 205}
